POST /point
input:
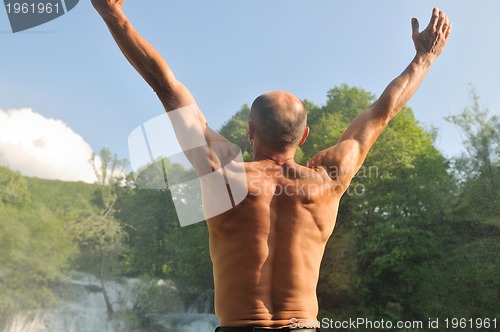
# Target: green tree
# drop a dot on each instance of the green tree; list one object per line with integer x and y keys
{"x": 158, "y": 246}
{"x": 149, "y": 214}
{"x": 96, "y": 230}
{"x": 478, "y": 168}
{"x": 471, "y": 255}
{"x": 13, "y": 188}
{"x": 236, "y": 131}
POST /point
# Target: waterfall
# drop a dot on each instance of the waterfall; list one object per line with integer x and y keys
{"x": 83, "y": 310}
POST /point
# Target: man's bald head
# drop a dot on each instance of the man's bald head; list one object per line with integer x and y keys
{"x": 278, "y": 119}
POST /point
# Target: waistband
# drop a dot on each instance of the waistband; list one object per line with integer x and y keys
{"x": 263, "y": 329}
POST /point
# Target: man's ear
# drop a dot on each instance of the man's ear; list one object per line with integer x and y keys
{"x": 304, "y": 136}
{"x": 251, "y": 130}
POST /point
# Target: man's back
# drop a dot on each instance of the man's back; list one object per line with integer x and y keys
{"x": 267, "y": 250}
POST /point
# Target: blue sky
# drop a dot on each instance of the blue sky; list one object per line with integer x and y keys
{"x": 228, "y": 52}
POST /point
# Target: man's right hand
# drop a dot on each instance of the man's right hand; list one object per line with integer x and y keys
{"x": 107, "y": 6}
{"x": 432, "y": 40}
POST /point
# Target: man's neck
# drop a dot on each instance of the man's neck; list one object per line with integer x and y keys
{"x": 277, "y": 158}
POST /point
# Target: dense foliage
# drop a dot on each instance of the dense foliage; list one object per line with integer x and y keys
{"x": 417, "y": 235}
{"x": 34, "y": 245}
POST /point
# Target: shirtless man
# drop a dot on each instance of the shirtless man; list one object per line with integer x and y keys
{"x": 266, "y": 251}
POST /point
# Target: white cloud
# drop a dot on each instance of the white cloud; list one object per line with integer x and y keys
{"x": 41, "y": 147}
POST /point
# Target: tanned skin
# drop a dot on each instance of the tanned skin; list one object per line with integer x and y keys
{"x": 266, "y": 251}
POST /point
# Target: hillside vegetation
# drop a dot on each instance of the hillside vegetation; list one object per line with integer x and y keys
{"x": 417, "y": 234}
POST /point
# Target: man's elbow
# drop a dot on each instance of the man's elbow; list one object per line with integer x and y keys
{"x": 169, "y": 94}
{"x": 161, "y": 84}
{"x": 385, "y": 110}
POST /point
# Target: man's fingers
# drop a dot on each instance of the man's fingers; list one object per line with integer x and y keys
{"x": 414, "y": 26}
{"x": 441, "y": 22}
{"x": 447, "y": 31}
{"x": 434, "y": 18}
{"x": 446, "y": 24}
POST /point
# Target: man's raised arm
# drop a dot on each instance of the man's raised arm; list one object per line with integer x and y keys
{"x": 345, "y": 158}
{"x": 145, "y": 59}
{"x": 189, "y": 123}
